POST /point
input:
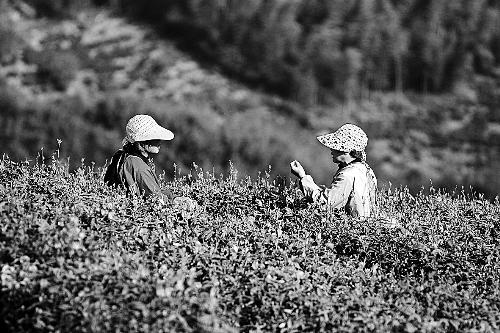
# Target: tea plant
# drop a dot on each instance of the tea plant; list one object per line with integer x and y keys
{"x": 253, "y": 257}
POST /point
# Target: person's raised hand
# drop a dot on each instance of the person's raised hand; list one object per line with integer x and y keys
{"x": 297, "y": 169}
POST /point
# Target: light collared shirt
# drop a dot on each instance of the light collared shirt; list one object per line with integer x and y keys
{"x": 353, "y": 189}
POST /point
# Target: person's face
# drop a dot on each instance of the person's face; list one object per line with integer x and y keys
{"x": 339, "y": 156}
{"x": 152, "y": 146}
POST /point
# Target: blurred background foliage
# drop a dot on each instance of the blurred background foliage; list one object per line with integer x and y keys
{"x": 254, "y": 81}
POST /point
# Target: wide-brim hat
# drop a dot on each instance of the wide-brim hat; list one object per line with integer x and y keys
{"x": 143, "y": 128}
{"x": 347, "y": 138}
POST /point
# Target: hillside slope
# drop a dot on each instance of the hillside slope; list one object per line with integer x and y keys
{"x": 96, "y": 69}
{"x": 79, "y": 79}
{"x": 96, "y": 52}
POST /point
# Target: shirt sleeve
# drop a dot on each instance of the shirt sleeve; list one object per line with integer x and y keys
{"x": 336, "y": 196}
{"x": 309, "y": 187}
{"x": 140, "y": 177}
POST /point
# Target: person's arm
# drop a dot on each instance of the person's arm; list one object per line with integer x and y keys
{"x": 336, "y": 196}
{"x": 307, "y": 185}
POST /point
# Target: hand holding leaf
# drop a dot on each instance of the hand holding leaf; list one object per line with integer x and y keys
{"x": 297, "y": 169}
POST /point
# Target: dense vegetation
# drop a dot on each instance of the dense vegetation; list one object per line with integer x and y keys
{"x": 75, "y": 256}
{"x": 311, "y": 50}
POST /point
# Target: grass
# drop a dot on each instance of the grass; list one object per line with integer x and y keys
{"x": 78, "y": 256}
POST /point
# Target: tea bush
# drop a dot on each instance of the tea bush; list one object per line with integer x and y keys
{"x": 76, "y": 255}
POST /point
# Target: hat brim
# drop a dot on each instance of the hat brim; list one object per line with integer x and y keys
{"x": 323, "y": 139}
{"x": 158, "y": 133}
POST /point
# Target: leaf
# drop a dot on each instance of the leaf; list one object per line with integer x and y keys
{"x": 410, "y": 328}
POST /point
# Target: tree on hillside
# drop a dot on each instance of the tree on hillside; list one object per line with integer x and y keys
{"x": 374, "y": 27}
{"x": 310, "y": 49}
{"x": 328, "y": 65}
{"x": 488, "y": 31}
{"x": 319, "y": 60}
{"x": 429, "y": 44}
{"x": 269, "y": 44}
{"x": 463, "y": 18}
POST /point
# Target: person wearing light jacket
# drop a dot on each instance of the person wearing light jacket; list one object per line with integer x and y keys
{"x": 354, "y": 186}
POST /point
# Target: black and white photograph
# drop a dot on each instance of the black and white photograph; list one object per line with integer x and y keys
{"x": 250, "y": 166}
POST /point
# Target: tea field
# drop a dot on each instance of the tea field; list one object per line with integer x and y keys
{"x": 253, "y": 257}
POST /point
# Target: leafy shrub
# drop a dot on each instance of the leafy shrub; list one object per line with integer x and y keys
{"x": 76, "y": 255}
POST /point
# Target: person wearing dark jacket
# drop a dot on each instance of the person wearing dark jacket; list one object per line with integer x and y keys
{"x": 130, "y": 166}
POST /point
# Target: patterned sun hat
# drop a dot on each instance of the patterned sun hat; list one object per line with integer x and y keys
{"x": 143, "y": 127}
{"x": 348, "y": 137}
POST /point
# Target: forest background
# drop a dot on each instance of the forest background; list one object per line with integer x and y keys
{"x": 253, "y": 82}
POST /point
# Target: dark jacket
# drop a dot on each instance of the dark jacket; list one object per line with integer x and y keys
{"x": 130, "y": 169}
